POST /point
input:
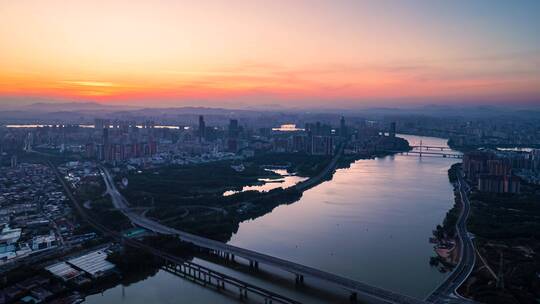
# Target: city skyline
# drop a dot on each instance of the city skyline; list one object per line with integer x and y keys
{"x": 250, "y": 151}
{"x": 315, "y": 54}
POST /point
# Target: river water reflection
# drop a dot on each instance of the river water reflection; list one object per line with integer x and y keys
{"x": 285, "y": 181}
{"x": 371, "y": 223}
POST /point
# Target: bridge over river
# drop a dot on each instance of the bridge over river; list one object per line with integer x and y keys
{"x": 357, "y": 289}
{"x": 365, "y": 292}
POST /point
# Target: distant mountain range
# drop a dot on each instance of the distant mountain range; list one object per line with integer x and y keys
{"x": 73, "y": 106}
{"x": 85, "y": 112}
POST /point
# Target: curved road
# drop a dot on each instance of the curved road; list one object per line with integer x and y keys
{"x": 447, "y": 291}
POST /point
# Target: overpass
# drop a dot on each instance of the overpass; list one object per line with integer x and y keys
{"x": 180, "y": 267}
{"x": 357, "y": 289}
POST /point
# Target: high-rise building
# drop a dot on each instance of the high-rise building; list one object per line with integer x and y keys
{"x": 202, "y": 128}
{"x": 299, "y": 143}
{"x": 322, "y": 145}
{"x": 232, "y": 145}
{"x": 499, "y": 183}
{"x": 100, "y": 124}
{"x": 392, "y": 132}
{"x": 90, "y": 150}
{"x": 100, "y": 152}
{"x": 342, "y": 128}
{"x": 233, "y": 128}
{"x": 105, "y": 136}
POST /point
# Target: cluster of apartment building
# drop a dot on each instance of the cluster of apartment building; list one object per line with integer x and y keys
{"x": 127, "y": 142}
{"x": 314, "y": 139}
{"x": 122, "y": 141}
{"x": 499, "y": 171}
{"x": 143, "y": 144}
{"x": 480, "y": 131}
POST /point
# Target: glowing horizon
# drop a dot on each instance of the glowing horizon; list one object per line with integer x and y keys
{"x": 304, "y": 53}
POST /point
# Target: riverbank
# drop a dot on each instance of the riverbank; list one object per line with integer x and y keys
{"x": 507, "y": 230}
{"x": 371, "y": 212}
{"x": 393, "y": 207}
{"x": 167, "y": 198}
{"x": 447, "y": 246}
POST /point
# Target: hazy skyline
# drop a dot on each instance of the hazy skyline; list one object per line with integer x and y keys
{"x": 254, "y": 53}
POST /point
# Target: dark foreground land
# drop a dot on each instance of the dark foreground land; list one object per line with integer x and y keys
{"x": 507, "y": 239}
{"x": 191, "y": 197}
{"x": 507, "y": 230}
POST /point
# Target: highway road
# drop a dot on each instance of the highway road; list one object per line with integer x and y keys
{"x": 364, "y": 291}
{"x": 195, "y": 271}
{"x": 447, "y": 291}
{"x": 315, "y": 180}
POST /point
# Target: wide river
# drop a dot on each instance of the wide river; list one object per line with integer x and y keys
{"x": 371, "y": 223}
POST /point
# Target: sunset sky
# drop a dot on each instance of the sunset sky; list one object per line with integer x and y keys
{"x": 252, "y": 53}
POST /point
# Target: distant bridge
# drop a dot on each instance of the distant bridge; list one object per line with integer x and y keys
{"x": 437, "y": 148}
{"x": 427, "y": 153}
{"x": 428, "y": 150}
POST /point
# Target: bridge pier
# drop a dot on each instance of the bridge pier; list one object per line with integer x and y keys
{"x": 224, "y": 255}
{"x": 220, "y": 284}
{"x": 243, "y": 292}
{"x": 299, "y": 279}
{"x": 254, "y": 265}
